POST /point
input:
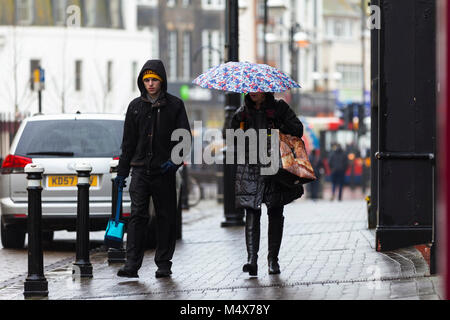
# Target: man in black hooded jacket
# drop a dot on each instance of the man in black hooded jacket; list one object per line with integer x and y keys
{"x": 146, "y": 149}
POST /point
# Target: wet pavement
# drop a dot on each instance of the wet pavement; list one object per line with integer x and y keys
{"x": 327, "y": 253}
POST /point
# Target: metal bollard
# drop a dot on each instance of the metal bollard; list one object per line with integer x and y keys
{"x": 219, "y": 179}
{"x": 82, "y": 266}
{"x": 115, "y": 255}
{"x": 35, "y": 284}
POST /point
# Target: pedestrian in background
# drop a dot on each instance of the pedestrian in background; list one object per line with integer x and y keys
{"x": 338, "y": 163}
{"x": 146, "y": 150}
{"x": 318, "y": 165}
{"x": 262, "y": 111}
{"x": 365, "y": 177}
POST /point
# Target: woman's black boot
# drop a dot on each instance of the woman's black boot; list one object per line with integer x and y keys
{"x": 275, "y": 236}
{"x": 252, "y": 235}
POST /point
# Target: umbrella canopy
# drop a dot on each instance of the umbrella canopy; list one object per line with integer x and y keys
{"x": 245, "y": 77}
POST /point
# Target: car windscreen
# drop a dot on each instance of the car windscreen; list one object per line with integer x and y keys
{"x": 72, "y": 138}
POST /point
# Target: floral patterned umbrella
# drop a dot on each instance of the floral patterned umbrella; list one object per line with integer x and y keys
{"x": 245, "y": 77}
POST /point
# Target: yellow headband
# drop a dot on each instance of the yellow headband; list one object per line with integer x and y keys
{"x": 151, "y": 74}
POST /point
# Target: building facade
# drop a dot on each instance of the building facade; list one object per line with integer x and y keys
{"x": 91, "y": 52}
{"x": 346, "y": 66}
{"x": 191, "y": 40}
{"x": 293, "y": 44}
{"x": 318, "y": 43}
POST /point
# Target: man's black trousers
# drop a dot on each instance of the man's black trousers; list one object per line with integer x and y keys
{"x": 162, "y": 189}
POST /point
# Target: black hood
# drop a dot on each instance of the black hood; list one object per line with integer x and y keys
{"x": 158, "y": 67}
{"x": 269, "y": 100}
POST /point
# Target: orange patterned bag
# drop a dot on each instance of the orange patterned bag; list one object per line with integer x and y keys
{"x": 295, "y": 168}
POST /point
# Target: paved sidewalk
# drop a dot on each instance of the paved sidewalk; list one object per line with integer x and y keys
{"x": 327, "y": 253}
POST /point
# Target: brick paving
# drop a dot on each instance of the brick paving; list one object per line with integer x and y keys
{"x": 327, "y": 253}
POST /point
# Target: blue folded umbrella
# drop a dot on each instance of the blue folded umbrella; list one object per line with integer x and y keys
{"x": 115, "y": 228}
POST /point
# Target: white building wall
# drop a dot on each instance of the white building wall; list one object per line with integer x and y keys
{"x": 328, "y": 51}
{"x": 300, "y": 12}
{"x": 58, "y": 48}
{"x": 345, "y": 50}
{"x": 247, "y": 30}
{"x": 305, "y": 18}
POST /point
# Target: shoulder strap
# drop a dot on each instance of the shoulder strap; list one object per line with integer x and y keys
{"x": 244, "y": 119}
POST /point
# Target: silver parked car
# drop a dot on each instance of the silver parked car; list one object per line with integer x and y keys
{"x": 58, "y": 143}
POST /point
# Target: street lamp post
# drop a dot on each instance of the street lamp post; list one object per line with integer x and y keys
{"x": 294, "y": 61}
{"x": 295, "y": 30}
{"x": 233, "y": 216}
{"x": 266, "y": 19}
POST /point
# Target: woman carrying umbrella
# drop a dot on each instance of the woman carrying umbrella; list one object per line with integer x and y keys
{"x": 260, "y": 111}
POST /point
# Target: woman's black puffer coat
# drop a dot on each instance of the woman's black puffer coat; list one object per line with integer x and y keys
{"x": 251, "y": 188}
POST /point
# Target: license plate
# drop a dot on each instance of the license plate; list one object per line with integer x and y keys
{"x": 68, "y": 181}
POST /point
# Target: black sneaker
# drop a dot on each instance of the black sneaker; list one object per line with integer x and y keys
{"x": 127, "y": 273}
{"x": 163, "y": 273}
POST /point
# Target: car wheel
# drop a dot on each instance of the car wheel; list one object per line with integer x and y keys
{"x": 13, "y": 237}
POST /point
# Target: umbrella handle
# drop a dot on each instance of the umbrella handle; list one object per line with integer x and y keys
{"x": 119, "y": 202}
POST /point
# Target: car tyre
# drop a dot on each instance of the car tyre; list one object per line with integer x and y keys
{"x": 13, "y": 237}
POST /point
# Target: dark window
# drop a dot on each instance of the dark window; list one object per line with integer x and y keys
{"x": 42, "y": 13}
{"x": 78, "y": 75}
{"x": 173, "y": 54}
{"x": 7, "y": 13}
{"x": 24, "y": 12}
{"x": 83, "y": 138}
{"x": 109, "y": 71}
{"x": 187, "y": 61}
{"x": 134, "y": 75}
{"x": 260, "y": 9}
{"x": 59, "y": 11}
{"x": 90, "y": 14}
{"x": 115, "y": 13}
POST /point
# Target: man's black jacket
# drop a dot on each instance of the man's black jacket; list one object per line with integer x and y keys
{"x": 148, "y": 127}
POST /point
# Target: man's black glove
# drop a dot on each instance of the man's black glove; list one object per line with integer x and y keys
{"x": 168, "y": 166}
{"x": 120, "y": 181}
